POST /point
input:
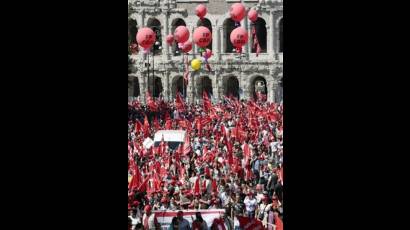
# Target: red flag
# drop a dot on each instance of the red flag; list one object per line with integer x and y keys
{"x": 204, "y": 185}
{"x": 138, "y": 126}
{"x": 278, "y": 222}
{"x": 151, "y": 103}
{"x": 187, "y": 144}
{"x": 199, "y": 126}
{"x": 186, "y": 73}
{"x": 156, "y": 123}
{"x": 205, "y": 120}
{"x": 136, "y": 178}
{"x": 146, "y": 127}
{"x": 246, "y": 152}
{"x": 196, "y": 187}
{"x": 214, "y": 186}
{"x": 143, "y": 186}
{"x": 229, "y": 152}
{"x": 179, "y": 103}
{"x": 206, "y": 102}
{"x": 247, "y": 223}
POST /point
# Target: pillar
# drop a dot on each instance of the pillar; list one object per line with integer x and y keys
{"x": 272, "y": 36}
{"x": 166, "y": 32}
{"x": 216, "y": 42}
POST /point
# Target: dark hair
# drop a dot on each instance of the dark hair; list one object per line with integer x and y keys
{"x": 199, "y": 217}
{"x": 174, "y": 220}
{"x": 139, "y": 226}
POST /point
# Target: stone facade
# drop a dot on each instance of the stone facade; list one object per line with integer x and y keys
{"x": 246, "y": 68}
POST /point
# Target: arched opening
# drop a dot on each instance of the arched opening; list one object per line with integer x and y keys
{"x": 205, "y": 85}
{"x": 205, "y": 22}
{"x": 155, "y": 25}
{"x": 259, "y": 88}
{"x": 232, "y": 87}
{"x": 132, "y": 31}
{"x": 178, "y": 86}
{"x": 136, "y": 87}
{"x": 157, "y": 90}
{"x": 228, "y": 26}
{"x": 281, "y": 35}
{"x": 175, "y": 23}
{"x": 260, "y": 31}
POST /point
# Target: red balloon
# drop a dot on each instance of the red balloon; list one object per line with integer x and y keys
{"x": 253, "y": 15}
{"x": 146, "y": 37}
{"x": 239, "y": 37}
{"x": 202, "y": 36}
{"x": 186, "y": 47}
{"x": 170, "y": 39}
{"x": 237, "y": 12}
{"x": 201, "y": 11}
{"x": 181, "y": 34}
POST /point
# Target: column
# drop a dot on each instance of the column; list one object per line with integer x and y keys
{"x": 166, "y": 32}
{"x": 272, "y": 36}
{"x": 220, "y": 87}
{"x": 247, "y": 50}
{"x": 215, "y": 42}
{"x": 272, "y": 85}
{"x": 166, "y": 84}
{"x": 215, "y": 88}
{"x": 222, "y": 41}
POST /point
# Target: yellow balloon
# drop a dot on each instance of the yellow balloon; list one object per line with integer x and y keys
{"x": 196, "y": 64}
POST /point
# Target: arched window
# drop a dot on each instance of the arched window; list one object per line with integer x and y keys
{"x": 259, "y": 88}
{"x": 205, "y": 22}
{"x": 136, "y": 87}
{"x": 132, "y": 31}
{"x": 175, "y": 23}
{"x": 232, "y": 87}
{"x": 228, "y": 26}
{"x": 157, "y": 87}
{"x": 281, "y": 35}
{"x": 155, "y": 25}
{"x": 260, "y": 30}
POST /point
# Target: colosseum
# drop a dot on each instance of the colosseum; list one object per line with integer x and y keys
{"x": 241, "y": 75}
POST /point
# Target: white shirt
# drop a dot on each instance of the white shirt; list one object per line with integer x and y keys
{"x": 250, "y": 204}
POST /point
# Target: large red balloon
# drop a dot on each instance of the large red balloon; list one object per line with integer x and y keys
{"x": 239, "y": 37}
{"x": 146, "y": 37}
{"x": 181, "y": 34}
{"x": 253, "y": 15}
{"x": 186, "y": 47}
{"x": 202, "y": 36}
{"x": 201, "y": 11}
{"x": 237, "y": 12}
{"x": 170, "y": 39}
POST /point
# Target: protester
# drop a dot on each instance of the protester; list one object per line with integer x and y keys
{"x": 149, "y": 220}
{"x": 199, "y": 223}
{"x": 183, "y": 224}
{"x": 250, "y": 204}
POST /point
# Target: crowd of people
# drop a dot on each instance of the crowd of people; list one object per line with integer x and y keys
{"x": 231, "y": 159}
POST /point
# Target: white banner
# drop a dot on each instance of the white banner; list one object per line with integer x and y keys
{"x": 148, "y": 143}
{"x": 165, "y": 217}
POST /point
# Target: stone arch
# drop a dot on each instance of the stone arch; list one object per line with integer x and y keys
{"x": 258, "y": 84}
{"x": 204, "y": 84}
{"x": 174, "y": 24}
{"x": 261, "y": 35}
{"x": 155, "y": 25}
{"x": 132, "y": 30}
{"x": 228, "y": 26}
{"x": 178, "y": 86}
{"x": 231, "y": 86}
{"x": 207, "y": 23}
{"x": 157, "y": 87}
